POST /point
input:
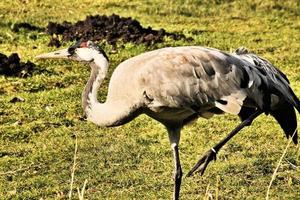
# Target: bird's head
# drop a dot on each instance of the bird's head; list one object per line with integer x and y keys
{"x": 83, "y": 51}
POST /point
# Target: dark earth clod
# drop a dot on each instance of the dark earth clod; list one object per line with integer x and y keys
{"x": 17, "y": 99}
{"x": 110, "y": 28}
{"x": 11, "y": 66}
{"x": 54, "y": 41}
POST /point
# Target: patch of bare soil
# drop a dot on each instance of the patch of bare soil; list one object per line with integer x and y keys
{"x": 12, "y": 66}
{"x": 110, "y": 28}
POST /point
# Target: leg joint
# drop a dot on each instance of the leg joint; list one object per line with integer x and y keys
{"x": 178, "y": 174}
{"x": 213, "y": 150}
{"x": 174, "y": 145}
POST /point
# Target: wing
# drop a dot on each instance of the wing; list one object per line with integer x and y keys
{"x": 272, "y": 81}
{"x": 195, "y": 78}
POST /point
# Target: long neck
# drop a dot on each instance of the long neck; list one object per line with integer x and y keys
{"x": 89, "y": 96}
{"x": 110, "y": 113}
{"x": 116, "y": 110}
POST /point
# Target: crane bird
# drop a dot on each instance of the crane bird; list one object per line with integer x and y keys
{"x": 177, "y": 85}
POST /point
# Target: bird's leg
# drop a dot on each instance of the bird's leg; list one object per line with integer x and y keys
{"x": 212, "y": 153}
{"x": 177, "y": 173}
{"x": 174, "y": 136}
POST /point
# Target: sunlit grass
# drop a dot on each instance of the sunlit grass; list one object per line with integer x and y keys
{"x": 37, "y": 137}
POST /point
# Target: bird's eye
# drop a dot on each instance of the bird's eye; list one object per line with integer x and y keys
{"x": 84, "y": 45}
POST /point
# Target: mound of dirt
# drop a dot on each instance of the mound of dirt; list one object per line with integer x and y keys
{"x": 11, "y": 66}
{"x": 110, "y": 28}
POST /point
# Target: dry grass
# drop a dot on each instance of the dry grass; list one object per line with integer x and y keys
{"x": 73, "y": 168}
{"x": 278, "y": 165}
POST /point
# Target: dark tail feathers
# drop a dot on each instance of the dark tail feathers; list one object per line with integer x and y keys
{"x": 286, "y": 117}
{"x": 288, "y": 94}
{"x": 274, "y": 82}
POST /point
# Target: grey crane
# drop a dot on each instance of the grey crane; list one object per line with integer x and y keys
{"x": 177, "y": 85}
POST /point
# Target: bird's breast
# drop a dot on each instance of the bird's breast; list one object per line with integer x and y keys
{"x": 167, "y": 114}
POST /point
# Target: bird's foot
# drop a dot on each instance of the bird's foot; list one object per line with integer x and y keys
{"x": 203, "y": 162}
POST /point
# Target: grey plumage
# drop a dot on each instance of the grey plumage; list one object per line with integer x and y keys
{"x": 176, "y": 85}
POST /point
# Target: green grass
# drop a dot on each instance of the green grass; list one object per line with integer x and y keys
{"x": 135, "y": 161}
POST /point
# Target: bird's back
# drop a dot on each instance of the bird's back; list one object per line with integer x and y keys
{"x": 182, "y": 77}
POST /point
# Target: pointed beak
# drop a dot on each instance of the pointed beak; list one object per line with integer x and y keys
{"x": 60, "y": 54}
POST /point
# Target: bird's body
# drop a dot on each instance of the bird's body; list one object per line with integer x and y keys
{"x": 173, "y": 83}
{"x": 176, "y": 85}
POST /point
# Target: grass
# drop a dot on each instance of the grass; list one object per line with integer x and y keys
{"x": 278, "y": 165}
{"x": 37, "y": 137}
